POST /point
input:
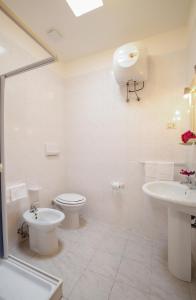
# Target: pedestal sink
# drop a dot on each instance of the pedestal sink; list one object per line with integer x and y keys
{"x": 181, "y": 204}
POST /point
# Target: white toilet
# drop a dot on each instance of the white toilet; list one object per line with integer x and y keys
{"x": 42, "y": 229}
{"x": 71, "y": 204}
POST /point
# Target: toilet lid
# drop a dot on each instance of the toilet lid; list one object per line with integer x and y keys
{"x": 70, "y": 198}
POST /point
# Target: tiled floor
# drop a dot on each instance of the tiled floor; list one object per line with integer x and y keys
{"x": 101, "y": 262}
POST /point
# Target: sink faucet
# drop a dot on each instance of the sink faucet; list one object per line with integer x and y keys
{"x": 34, "y": 210}
{"x": 190, "y": 181}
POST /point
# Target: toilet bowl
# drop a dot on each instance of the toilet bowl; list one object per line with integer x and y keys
{"x": 71, "y": 205}
{"x": 42, "y": 229}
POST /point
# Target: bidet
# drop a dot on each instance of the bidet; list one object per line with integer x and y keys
{"x": 42, "y": 229}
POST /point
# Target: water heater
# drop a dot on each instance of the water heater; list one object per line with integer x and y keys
{"x": 130, "y": 67}
{"x": 130, "y": 64}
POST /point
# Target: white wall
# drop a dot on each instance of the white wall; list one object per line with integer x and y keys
{"x": 191, "y": 63}
{"x": 192, "y": 43}
{"x": 106, "y": 137}
{"x": 33, "y": 117}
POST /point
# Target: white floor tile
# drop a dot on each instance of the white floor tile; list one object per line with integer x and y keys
{"x": 113, "y": 245}
{"x": 123, "y": 291}
{"x": 92, "y": 286}
{"x": 93, "y": 256}
{"x": 160, "y": 294}
{"x": 165, "y": 286}
{"x": 117, "y": 232}
{"x": 134, "y": 273}
{"x": 67, "y": 266}
{"x": 105, "y": 264}
{"x": 140, "y": 251}
{"x": 81, "y": 250}
{"x": 140, "y": 240}
{"x": 159, "y": 250}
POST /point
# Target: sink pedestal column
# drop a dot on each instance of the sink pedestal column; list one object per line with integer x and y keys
{"x": 179, "y": 244}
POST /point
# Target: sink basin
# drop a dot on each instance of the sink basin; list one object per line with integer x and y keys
{"x": 181, "y": 204}
{"x": 173, "y": 194}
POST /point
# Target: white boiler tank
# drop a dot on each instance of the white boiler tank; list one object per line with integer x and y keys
{"x": 130, "y": 64}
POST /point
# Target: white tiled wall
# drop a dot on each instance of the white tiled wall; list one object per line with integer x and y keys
{"x": 33, "y": 117}
{"x": 107, "y": 138}
{"x": 191, "y": 157}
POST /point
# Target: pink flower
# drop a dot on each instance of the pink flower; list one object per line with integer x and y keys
{"x": 187, "y": 136}
{"x": 187, "y": 172}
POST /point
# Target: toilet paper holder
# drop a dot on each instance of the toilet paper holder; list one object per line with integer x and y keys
{"x": 117, "y": 185}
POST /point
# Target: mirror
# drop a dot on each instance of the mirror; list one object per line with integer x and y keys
{"x": 193, "y": 113}
{"x": 190, "y": 95}
{"x": 189, "y": 131}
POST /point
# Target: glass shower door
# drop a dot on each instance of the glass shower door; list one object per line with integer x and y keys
{"x": 1, "y": 208}
{"x": 20, "y": 51}
{"x": 1, "y": 229}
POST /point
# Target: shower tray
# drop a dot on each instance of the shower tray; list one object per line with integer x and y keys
{"x": 21, "y": 281}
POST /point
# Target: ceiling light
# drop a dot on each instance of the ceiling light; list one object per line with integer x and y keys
{"x": 2, "y": 50}
{"x": 80, "y": 7}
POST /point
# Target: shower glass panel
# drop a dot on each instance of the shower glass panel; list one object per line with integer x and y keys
{"x": 19, "y": 51}
{"x": 1, "y": 228}
{"x": 17, "y": 48}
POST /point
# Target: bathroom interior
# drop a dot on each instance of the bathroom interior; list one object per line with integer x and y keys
{"x": 98, "y": 149}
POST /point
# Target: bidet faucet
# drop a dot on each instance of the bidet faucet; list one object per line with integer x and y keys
{"x": 192, "y": 184}
{"x": 34, "y": 210}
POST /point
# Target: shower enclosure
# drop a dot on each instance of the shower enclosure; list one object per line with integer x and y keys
{"x": 1, "y": 169}
{"x": 20, "y": 51}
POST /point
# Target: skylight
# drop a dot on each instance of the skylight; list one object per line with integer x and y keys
{"x": 80, "y": 7}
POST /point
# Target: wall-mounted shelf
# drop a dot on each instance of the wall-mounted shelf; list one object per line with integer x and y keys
{"x": 188, "y": 143}
{"x": 176, "y": 163}
{"x": 34, "y": 188}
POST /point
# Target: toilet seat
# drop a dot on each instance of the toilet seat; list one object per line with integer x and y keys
{"x": 71, "y": 204}
{"x": 70, "y": 199}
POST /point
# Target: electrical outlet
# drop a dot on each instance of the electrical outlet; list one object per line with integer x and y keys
{"x": 171, "y": 125}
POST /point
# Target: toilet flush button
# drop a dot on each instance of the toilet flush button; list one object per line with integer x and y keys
{"x": 18, "y": 192}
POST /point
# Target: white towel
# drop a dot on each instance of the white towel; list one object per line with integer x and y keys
{"x": 150, "y": 169}
{"x": 165, "y": 170}
{"x": 159, "y": 170}
{"x": 149, "y": 179}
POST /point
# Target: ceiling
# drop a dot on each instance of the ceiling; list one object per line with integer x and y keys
{"x": 117, "y": 22}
